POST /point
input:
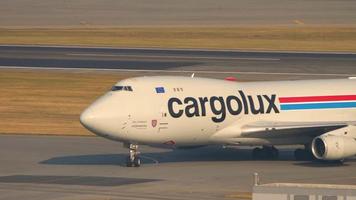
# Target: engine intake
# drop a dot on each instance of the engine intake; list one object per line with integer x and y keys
{"x": 320, "y": 148}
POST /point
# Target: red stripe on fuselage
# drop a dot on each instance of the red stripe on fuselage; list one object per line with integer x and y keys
{"x": 317, "y": 98}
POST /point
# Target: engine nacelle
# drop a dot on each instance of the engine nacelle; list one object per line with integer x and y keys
{"x": 333, "y": 147}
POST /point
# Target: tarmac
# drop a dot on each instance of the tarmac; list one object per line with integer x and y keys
{"x": 59, "y": 167}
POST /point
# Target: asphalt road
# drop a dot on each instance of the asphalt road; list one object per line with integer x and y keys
{"x": 52, "y": 167}
{"x": 89, "y": 13}
{"x": 248, "y": 65}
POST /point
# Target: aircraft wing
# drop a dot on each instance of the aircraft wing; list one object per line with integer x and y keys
{"x": 270, "y": 130}
{"x": 289, "y": 129}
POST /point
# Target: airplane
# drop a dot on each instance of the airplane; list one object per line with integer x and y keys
{"x": 187, "y": 112}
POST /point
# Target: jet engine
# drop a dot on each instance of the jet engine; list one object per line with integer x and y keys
{"x": 333, "y": 147}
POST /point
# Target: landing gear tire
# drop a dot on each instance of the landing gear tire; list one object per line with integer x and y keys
{"x": 265, "y": 153}
{"x": 137, "y": 162}
{"x": 133, "y": 160}
{"x": 129, "y": 163}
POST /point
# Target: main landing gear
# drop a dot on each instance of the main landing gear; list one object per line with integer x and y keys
{"x": 133, "y": 160}
{"x": 265, "y": 153}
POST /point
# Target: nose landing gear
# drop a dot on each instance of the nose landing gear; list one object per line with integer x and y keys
{"x": 133, "y": 160}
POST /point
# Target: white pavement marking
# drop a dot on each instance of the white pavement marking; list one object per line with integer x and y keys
{"x": 184, "y": 71}
{"x": 173, "y": 57}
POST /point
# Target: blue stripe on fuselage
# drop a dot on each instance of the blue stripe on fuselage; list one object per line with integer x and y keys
{"x": 308, "y": 106}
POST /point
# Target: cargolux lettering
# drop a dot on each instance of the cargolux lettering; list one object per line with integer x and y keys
{"x": 220, "y": 106}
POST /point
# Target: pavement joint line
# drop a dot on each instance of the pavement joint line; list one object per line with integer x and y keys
{"x": 181, "y": 71}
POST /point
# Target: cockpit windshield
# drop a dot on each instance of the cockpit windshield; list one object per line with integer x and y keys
{"x": 121, "y": 88}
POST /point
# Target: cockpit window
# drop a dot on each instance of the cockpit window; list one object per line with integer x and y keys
{"x": 128, "y": 88}
{"x": 116, "y": 88}
{"x": 120, "y": 88}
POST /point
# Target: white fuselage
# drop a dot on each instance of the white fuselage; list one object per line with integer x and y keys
{"x": 183, "y": 111}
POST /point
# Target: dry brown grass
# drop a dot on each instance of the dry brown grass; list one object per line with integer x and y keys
{"x": 49, "y": 102}
{"x": 256, "y": 38}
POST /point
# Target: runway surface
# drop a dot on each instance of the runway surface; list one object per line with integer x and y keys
{"x": 88, "y": 13}
{"x": 248, "y": 65}
{"x": 78, "y": 168}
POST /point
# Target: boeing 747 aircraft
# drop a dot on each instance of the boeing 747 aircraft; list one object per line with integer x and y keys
{"x": 182, "y": 112}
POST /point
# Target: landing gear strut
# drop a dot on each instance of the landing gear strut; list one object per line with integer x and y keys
{"x": 133, "y": 160}
{"x": 266, "y": 152}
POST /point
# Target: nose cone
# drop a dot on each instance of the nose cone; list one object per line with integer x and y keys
{"x": 102, "y": 117}
{"x": 89, "y": 118}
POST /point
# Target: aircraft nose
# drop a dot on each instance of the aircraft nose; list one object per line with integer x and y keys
{"x": 94, "y": 117}
{"x": 102, "y": 116}
{"x": 88, "y": 118}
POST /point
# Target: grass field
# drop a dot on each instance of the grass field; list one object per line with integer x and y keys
{"x": 299, "y": 38}
{"x": 49, "y": 102}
